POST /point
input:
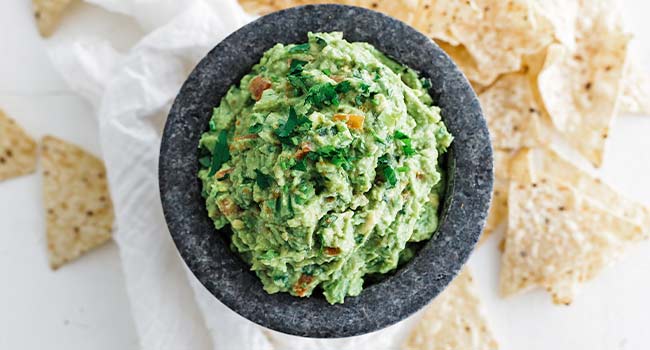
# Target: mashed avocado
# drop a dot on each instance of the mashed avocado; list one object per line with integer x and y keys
{"x": 324, "y": 161}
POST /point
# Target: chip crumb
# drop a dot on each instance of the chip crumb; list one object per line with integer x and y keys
{"x": 75, "y": 194}
{"x": 18, "y": 151}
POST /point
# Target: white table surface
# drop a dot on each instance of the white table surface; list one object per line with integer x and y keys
{"x": 84, "y": 304}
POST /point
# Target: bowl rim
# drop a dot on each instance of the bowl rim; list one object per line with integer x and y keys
{"x": 412, "y": 286}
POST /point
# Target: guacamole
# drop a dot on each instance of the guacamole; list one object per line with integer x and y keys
{"x": 324, "y": 161}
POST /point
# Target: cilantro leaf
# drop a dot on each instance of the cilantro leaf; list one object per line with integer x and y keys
{"x": 403, "y": 169}
{"x": 263, "y": 180}
{"x": 301, "y": 165}
{"x": 343, "y": 87}
{"x": 337, "y": 156}
{"x": 286, "y": 131}
{"x": 386, "y": 170}
{"x": 296, "y": 67}
{"x": 302, "y": 48}
{"x": 255, "y": 128}
{"x": 299, "y": 83}
{"x": 320, "y": 41}
{"x": 426, "y": 83}
{"x": 220, "y": 154}
{"x": 327, "y": 72}
{"x": 407, "y": 147}
{"x": 291, "y": 124}
{"x": 321, "y": 95}
{"x": 390, "y": 176}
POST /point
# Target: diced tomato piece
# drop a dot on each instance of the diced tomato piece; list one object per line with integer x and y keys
{"x": 304, "y": 149}
{"x": 257, "y": 86}
{"x": 332, "y": 250}
{"x": 353, "y": 121}
{"x": 302, "y": 286}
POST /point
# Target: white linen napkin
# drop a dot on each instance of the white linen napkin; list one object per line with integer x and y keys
{"x": 132, "y": 93}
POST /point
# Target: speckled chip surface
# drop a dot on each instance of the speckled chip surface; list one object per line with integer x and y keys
{"x": 78, "y": 207}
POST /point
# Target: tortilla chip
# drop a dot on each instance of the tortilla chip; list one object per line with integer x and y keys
{"x": 48, "y": 14}
{"x": 562, "y": 15}
{"x": 77, "y": 201}
{"x": 467, "y": 65}
{"x": 17, "y": 149}
{"x": 547, "y": 163}
{"x": 636, "y": 89}
{"x": 436, "y": 17}
{"x": 498, "y": 40}
{"x": 580, "y": 89}
{"x": 453, "y": 320}
{"x": 558, "y": 238}
{"x": 512, "y": 114}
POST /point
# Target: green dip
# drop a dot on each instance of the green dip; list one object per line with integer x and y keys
{"x": 325, "y": 163}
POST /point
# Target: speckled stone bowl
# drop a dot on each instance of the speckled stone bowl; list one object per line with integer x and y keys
{"x": 226, "y": 276}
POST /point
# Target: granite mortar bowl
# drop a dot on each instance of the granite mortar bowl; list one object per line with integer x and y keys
{"x": 206, "y": 251}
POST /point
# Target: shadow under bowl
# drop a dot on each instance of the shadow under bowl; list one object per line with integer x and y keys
{"x": 206, "y": 251}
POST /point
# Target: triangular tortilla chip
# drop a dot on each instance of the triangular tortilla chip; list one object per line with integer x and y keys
{"x": 580, "y": 89}
{"x": 17, "y": 149}
{"x": 436, "y": 17}
{"x": 562, "y": 14}
{"x": 512, "y": 113}
{"x": 453, "y": 320}
{"x": 468, "y": 65}
{"x": 504, "y": 33}
{"x": 79, "y": 211}
{"x": 546, "y": 163}
{"x": 48, "y": 14}
{"x": 636, "y": 89}
{"x": 558, "y": 238}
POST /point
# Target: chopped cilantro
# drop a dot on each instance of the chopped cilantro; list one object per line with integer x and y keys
{"x": 300, "y": 165}
{"x": 337, "y": 156}
{"x": 286, "y": 164}
{"x": 299, "y": 83}
{"x": 390, "y": 176}
{"x": 220, "y": 154}
{"x": 296, "y": 67}
{"x": 326, "y": 94}
{"x": 327, "y": 72}
{"x": 302, "y": 48}
{"x": 426, "y": 83}
{"x": 321, "y": 95}
{"x": 343, "y": 87}
{"x": 213, "y": 126}
{"x": 263, "y": 180}
{"x": 255, "y": 128}
{"x": 386, "y": 170}
{"x": 292, "y": 123}
{"x": 403, "y": 169}
{"x": 400, "y": 135}
{"x": 407, "y": 147}
{"x": 320, "y": 41}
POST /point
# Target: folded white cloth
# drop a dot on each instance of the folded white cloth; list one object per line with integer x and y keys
{"x": 132, "y": 93}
